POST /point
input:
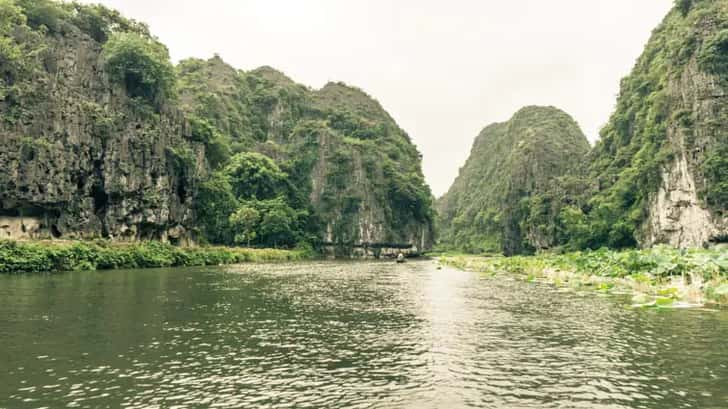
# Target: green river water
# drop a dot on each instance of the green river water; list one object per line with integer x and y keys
{"x": 345, "y": 335}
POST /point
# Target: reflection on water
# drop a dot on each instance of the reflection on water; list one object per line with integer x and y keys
{"x": 354, "y": 335}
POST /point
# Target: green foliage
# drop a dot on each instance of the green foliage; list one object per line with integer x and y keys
{"x": 658, "y": 263}
{"x": 716, "y": 173}
{"x": 99, "y": 22}
{"x": 28, "y": 257}
{"x": 202, "y": 129}
{"x": 657, "y": 276}
{"x": 181, "y": 158}
{"x": 11, "y": 16}
{"x": 713, "y": 57}
{"x": 217, "y": 151}
{"x": 213, "y": 204}
{"x": 506, "y": 198}
{"x": 141, "y": 65}
{"x": 44, "y": 13}
{"x": 409, "y": 196}
{"x": 92, "y": 20}
{"x": 255, "y": 176}
{"x": 248, "y": 202}
{"x": 217, "y": 146}
{"x": 626, "y": 164}
{"x": 683, "y": 6}
{"x": 354, "y": 126}
{"x": 245, "y": 221}
{"x": 11, "y": 52}
{"x": 278, "y": 225}
{"x": 321, "y": 138}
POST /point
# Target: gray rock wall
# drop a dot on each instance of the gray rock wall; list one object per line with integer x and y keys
{"x": 87, "y": 161}
{"x": 677, "y": 214}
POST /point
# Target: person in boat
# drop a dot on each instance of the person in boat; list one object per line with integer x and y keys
{"x": 400, "y": 258}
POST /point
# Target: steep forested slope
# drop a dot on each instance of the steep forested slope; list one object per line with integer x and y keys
{"x": 347, "y": 163}
{"x": 102, "y": 136}
{"x": 498, "y": 202}
{"x": 659, "y": 174}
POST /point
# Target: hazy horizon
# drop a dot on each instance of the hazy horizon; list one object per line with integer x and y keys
{"x": 443, "y": 70}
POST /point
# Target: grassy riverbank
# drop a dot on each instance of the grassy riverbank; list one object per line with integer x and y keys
{"x": 50, "y": 256}
{"x": 659, "y": 277}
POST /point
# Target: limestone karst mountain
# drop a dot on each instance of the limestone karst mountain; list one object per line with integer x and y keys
{"x": 103, "y": 137}
{"x": 660, "y": 169}
{"x": 353, "y": 167}
{"x": 495, "y": 204}
{"x": 658, "y": 174}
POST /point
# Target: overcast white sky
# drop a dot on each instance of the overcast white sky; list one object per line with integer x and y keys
{"x": 443, "y": 69}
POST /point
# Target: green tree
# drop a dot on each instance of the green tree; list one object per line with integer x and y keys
{"x": 10, "y": 51}
{"x": 213, "y": 205}
{"x": 141, "y": 64}
{"x": 255, "y": 176}
{"x": 683, "y": 6}
{"x": 245, "y": 223}
{"x": 99, "y": 22}
{"x": 280, "y": 224}
{"x": 714, "y": 56}
{"x": 276, "y": 226}
{"x": 217, "y": 146}
{"x": 91, "y": 20}
{"x": 576, "y": 227}
{"x": 409, "y": 196}
{"x": 716, "y": 173}
{"x": 47, "y": 13}
{"x": 217, "y": 151}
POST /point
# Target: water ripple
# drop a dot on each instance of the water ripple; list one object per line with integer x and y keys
{"x": 354, "y": 335}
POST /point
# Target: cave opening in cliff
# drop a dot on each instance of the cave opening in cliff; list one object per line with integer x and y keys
{"x": 24, "y": 211}
{"x": 13, "y": 212}
{"x": 101, "y": 198}
{"x": 55, "y": 232}
{"x": 719, "y": 239}
{"x": 148, "y": 231}
{"x": 101, "y": 201}
{"x": 182, "y": 189}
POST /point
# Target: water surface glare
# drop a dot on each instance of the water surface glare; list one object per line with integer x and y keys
{"x": 345, "y": 335}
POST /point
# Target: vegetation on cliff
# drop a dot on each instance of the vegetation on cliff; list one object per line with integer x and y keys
{"x": 141, "y": 65}
{"x": 502, "y": 199}
{"x": 93, "y": 145}
{"x": 299, "y": 164}
{"x": 200, "y": 151}
{"x": 671, "y": 108}
{"x": 658, "y": 174}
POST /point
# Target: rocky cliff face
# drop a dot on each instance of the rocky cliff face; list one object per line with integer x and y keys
{"x": 679, "y": 212}
{"x": 358, "y": 169}
{"x": 661, "y": 164}
{"x": 102, "y": 138}
{"x": 79, "y": 158}
{"x": 496, "y": 202}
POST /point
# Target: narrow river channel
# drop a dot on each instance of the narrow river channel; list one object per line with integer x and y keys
{"x": 346, "y": 335}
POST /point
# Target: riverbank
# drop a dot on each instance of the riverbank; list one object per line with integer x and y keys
{"x": 660, "y": 277}
{"x": 52, "y": 256}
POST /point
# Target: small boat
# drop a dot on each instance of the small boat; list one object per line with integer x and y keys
{"x": 400, "y": 258}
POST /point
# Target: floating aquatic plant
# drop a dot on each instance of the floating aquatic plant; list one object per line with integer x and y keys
{"x": 660, "y": 277}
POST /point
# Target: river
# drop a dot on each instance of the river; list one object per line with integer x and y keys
{"x": 346, "y": 335}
